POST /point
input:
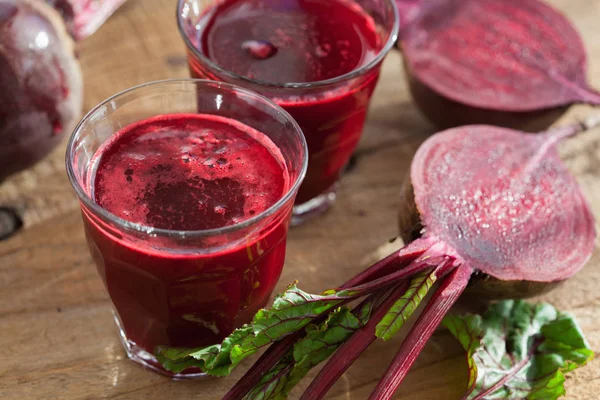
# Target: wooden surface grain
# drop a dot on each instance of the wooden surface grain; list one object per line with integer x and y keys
{"x": 57, "y": 337}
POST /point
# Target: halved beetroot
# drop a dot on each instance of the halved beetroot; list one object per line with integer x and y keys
{"x": 513, "y": 63}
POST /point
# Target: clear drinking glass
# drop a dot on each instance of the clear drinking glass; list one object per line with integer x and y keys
{"x": 184, "y": 288}
{"x": 330, "y": 112}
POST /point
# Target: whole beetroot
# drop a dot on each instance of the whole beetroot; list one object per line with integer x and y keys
{"x": 40, "y": 83}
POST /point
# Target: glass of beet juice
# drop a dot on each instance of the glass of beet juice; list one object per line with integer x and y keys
{"x": 318, "y": 59}
{"x": 186, "y": 190}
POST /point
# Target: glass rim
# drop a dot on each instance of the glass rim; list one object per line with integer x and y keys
{"x": 141, "y": 228}
{"x": 296, "y": 85}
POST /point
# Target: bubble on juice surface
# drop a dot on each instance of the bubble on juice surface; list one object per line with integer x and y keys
{"x": 259, "y": 49}
{"x": 220, "y": 210}
{"x": 289, "y": 41}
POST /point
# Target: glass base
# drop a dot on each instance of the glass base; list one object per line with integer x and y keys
{"x": 314, "y": 207}
{"x": 147, "y": 360}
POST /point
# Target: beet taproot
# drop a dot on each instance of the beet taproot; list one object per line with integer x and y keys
{"x": 505, "y": 216}
{"x": 40, "y": 78}
{"x": 40, "y": 83}
{"x": 508, "y": 207}
{"x": 485, "y": 201}
{"x": 511, "y": 63}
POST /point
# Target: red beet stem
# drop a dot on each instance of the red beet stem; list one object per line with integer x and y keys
{"x": 584, "y": 93}
{"x": 360, "y": 341}
{"x": 412, "y": 269}
{"x": 351, "y": 349}
{"x": 393, "y": 262}
{"x": 273, "y": 354}
{"x": 558, "y": 134}
{"x": 263, "y": 365}
{"x": 589, "y": 96}
{"x": 443, "y": 299}
{"x": 553, "y": 136}
{"x": 270, "y": 357}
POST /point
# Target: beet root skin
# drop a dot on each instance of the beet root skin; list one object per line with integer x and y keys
{"x": 409, "y": 218}
{"x": 483, "y": 286}
{"x": 40, "y": 83}
{"x": 445, "y": 113}
{"x": 515, "y": 63}
{"x": 505, "y": 202}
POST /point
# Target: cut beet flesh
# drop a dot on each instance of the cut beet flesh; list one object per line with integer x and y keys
{"x": 515, "y": 63}
{"x": 40, "y": 83}
{"x": 504, "y": 201}
{"x": 502, "y": 225}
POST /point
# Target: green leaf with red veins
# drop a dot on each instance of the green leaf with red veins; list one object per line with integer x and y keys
{"x": 320, "y": 342}
{"x": 518, "y": 350}
{"x": 291, "y": 312}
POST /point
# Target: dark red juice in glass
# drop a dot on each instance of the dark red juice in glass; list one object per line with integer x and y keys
{"x": 187, "y": 189}
{"x": 187, "y": 173}
{"x": 295, "y": 52}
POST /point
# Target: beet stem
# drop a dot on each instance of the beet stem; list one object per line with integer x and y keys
{"x": 443, "y": 299}
{"x": 277, "y": 350}
{"x": 589, "y": 96}
{"x": 395, "y": 277}
{"x": 351, "y": 349}
{"x": 361, "y": 340}
{"x": 553, "y": 136}
{"x": 274, "y": 353}
{"x": 263, "y": 365}
{"x": 584, "y": 93}
{"x": 397, "y": 259}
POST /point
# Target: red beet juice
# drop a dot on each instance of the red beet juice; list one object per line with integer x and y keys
{"x": 285, "y": 42}
{"x": 185, "y": 172}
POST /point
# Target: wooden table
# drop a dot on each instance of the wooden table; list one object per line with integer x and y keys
{"x": 57, "y": 337}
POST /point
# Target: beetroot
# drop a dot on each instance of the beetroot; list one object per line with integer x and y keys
{"x": 40, "y": 83}
{"x": 40, "y": 78}
{"x": 485, "y": 202}
{"x": 84, "y": 17}
{"x": 496, "y": 202}
{"x": 513, "y": 63}
{"x": 518, "y": 217}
